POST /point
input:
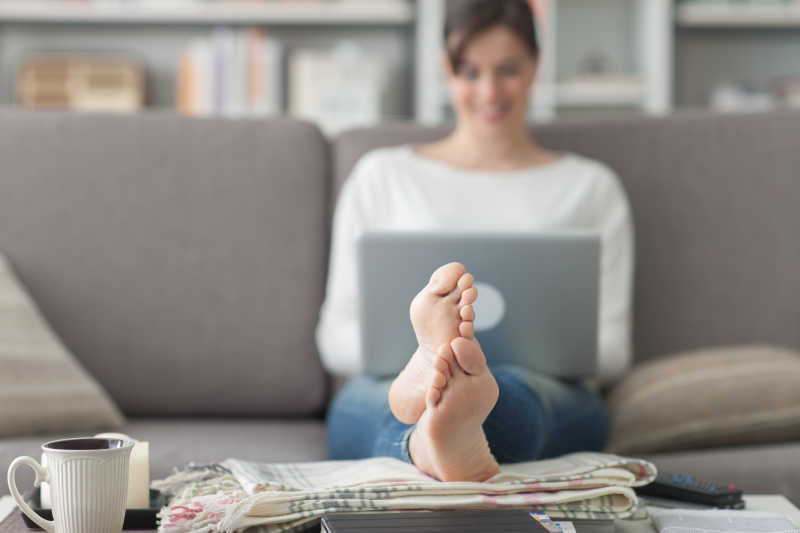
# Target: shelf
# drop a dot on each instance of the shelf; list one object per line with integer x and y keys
{"x": 339, "y": 12}
{"x": 739, "y": 15}
{"x": 600, "y": 92}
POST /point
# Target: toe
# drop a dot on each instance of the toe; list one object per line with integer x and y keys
{"x": 439, "y": 380}
{"x": 445, "y": 362}
{"x": 465, "y": 281}
{"x": 432, "y": 397}
{"x": 444, "y": 279}
{"x": 441, "y": 365}
{"x": 467, "y": 330}
{"x": 467, "y": 313}
{"x": 469, "y": 356}
{"x": 469, "y": 296}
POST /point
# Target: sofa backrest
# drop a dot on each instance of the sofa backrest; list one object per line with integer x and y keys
{"x": 716, "y": 202}
{"x": 182, "y": 260}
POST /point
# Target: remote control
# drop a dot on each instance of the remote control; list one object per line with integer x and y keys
{"x": 688, "y": 489}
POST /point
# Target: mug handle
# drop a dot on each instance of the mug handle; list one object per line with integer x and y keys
{"x": 41, "y": 475}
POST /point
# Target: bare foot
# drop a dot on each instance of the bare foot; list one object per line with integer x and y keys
{"x": 448, "y": 442}
{"x": 440, "y": 312}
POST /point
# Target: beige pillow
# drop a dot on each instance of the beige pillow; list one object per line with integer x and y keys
{"x": 43, "y": 388}
{"x": 704, "y": 398}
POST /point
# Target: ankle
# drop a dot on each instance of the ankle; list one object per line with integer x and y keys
{"x": 416, "y": 454}
{"x": 399, "y": 405}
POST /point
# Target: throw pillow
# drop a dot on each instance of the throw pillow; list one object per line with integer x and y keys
{"x": 705, "y": 398}
{"x": 43, "y": 388}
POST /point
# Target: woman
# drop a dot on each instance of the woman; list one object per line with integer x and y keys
{"x": 448, "y": 412}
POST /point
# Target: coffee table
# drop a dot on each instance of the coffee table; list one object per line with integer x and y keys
{"x": 755, "y": 502}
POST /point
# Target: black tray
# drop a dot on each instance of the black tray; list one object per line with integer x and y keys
{"x": 134, "y": 518}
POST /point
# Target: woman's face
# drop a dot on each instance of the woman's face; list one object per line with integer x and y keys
{"x": 490, "y": 90}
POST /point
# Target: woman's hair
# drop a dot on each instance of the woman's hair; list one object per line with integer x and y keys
{"x": 466, "y": 19}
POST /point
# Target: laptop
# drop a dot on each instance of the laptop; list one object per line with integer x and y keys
{"x": 461, "y": 521}
{"x": 537, "y": 301}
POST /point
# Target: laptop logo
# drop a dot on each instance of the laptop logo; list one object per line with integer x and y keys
{"x": 490, "y": 307}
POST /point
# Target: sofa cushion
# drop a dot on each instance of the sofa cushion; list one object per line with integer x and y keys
{"x": 757, "y": 469}
{"x": 704, "y": 398}
{"x": 43, "y": 389}
{"x": 175, "y": 442}
{"x": 181, "y": 259}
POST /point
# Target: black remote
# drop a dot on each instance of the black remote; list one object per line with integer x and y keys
{"x": 689, "y": 489}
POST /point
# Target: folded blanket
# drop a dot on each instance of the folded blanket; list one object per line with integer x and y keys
{"x": 234, "y": 495}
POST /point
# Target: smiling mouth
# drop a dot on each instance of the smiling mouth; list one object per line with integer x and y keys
{"x": 494, "y": 115}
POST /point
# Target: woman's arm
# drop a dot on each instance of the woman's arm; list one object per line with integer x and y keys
{"x": 338, "y": 335}
{"x": 616, "y": 281}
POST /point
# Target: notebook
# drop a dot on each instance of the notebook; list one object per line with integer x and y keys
{"x": 433, "y": 521}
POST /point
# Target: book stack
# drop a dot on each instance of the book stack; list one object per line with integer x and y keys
{"x": 83, "y": 82}
{"x": 232, "y": 73}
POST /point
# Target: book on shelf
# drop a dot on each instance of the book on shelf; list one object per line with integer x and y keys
{"x": 337, "y": 88}
{"x": 232, "y": 73}
{"x": 80, "y": 81}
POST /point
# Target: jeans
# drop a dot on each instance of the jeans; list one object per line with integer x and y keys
{"x": 535, "y": 417}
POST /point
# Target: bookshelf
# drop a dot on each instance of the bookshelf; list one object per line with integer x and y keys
{"x": 738, "y": 56}
{"x": 626, "y": 91}
{"x": 156, "y": 34}
{"x": 756, "y": 15}
{"x": 634, "y": 37}
{"x": 310, "y": 13}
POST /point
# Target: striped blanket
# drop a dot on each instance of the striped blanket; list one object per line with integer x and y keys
{"x": 235, "y": 495}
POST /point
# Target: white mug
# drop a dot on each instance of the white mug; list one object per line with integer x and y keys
{"x": 88, "y": 484}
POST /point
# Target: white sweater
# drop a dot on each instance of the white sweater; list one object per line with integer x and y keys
{"x": 397, "y": 189}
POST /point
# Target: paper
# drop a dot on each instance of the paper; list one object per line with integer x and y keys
{"x": 548, "y": 524}
{"x": 566, "y": 527}
{"x": 722, "y": 521}
{"x": 7, "y": 505}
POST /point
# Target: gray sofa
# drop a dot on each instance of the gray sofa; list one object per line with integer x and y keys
{"x": 183, "y": 261}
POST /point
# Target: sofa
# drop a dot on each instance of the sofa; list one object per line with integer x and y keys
{"x": 182, "y": 261}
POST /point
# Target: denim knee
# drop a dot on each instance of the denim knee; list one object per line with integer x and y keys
{"x": 354, "y": 418}
{"x": 516, "y": 428}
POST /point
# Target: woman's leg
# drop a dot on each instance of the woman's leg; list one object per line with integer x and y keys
{"x": 537, "y": 417}
{"x": 360, "y": 423}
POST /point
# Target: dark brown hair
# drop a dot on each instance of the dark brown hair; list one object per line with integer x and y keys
{"x": 469, "y": 18}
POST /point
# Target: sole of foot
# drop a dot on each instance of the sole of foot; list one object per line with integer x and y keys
{"x": 440, "y": 312}
{"x": 448, "y": 442}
